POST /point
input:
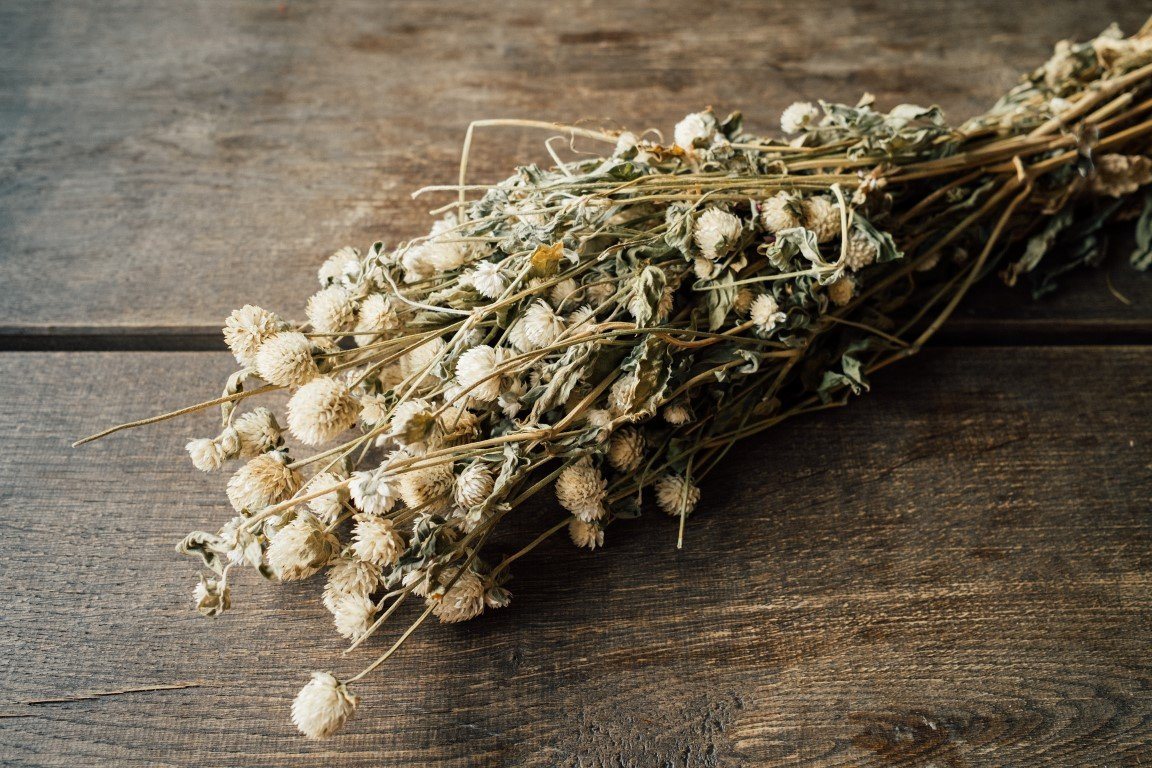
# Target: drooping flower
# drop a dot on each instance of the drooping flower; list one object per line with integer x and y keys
{"x": 675, "y": 495}
{"x": 322, "y": 706}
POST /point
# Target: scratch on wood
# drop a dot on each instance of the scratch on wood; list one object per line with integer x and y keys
{"x": 102, "y": 694}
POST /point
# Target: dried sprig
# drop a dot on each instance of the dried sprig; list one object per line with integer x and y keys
{"x": 614, "y": 324}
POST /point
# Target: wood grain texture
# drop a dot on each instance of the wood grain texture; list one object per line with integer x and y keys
{"x": 164, "y": 162}
{"x": 954, "y": 571}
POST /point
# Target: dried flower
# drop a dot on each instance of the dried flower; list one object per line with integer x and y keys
{"x": 581, "y": 489}
{"x": 766, "y": 314}
{"x": 477, "y": 372}
{"x": 374, "y": 492}
{"x": 465, "y": 599}
{"x": 429, "y": 488}
{"x": 781, "y": 211}
{"x": 676, "y": 496}
{"x": 353, "y": 614}
{"x": 1119, "y": 175}
{"x": 301, "y": 548}
{"x": 331, "y": 310}
{"x": 842, "y": 291}
{"x": 263, "y": 481}
{"x": 329, "y": 506}
{"x": 375, "y": 540}
{"x": 798, "y": 116}
{"x": 247, "y": 328}
{"x": 350, "y": 576}
{"x": 207, "y": 455}
{"x": 258, "y": 432}
{"x": 322, "y": 706}
{"x": 717, "y": 231}
{"x": 677, "y": 414}
{"x": 473, "y": 485}
{"x": 212, "y": 596}
{"x": 320, "y": 410}
{"x": 626, "y": 449}
{"x": 822, "y": 216}
{"x": 286, "y": 359}
{"x": 487, "y": 279}
{"x": 378, "y": 318}
{"x": 586, "y": 534}
{"x": 861, "y": 251}
{"x": 695, "y": 130}
{"x": 340, "y": 267}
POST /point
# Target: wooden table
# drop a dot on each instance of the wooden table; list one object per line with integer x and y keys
{"x": 955, "y": 571}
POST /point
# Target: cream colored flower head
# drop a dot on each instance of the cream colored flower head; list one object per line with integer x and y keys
{"x": 286, "y": 359}
{"x": 429, "y": 488}
{"x": 465, "y": 599}
{"x": 585, "y": 534}
{"x": 258, "y": 431}
{"x": 487, "y": 279}
{"x": 716, "y": 232}
{"x": 675, "y": 495}
{"x": 374, "y": 492}
{"x": 207, "y": 455}
{"x": 249, "y": 327}
{"x": 626, "y": 449}
{"x": 331, "y": 310}
{"x": 581, "y": 489}
{"x": 477, "y": 372}
{"x": 473, "y": 485}
{"x": 329, "y": 506}
{"x": 765, "y": 313}
{"x": 263, "y": 481}
{"x": 320, "y": 410}
{"x": 350, "y": 576}
{"x": 322, "y": 706}
{"x": 301, "y": 548}
{"x": 822, "y": 217}
{"x": 342, "y": 267}
{"x": 353, "y": 614}
{"x": 695, "y": 130}
{"x": 375, "y": 540}
{"x": 798, "y": 116}
{"x": 377, "y": 319}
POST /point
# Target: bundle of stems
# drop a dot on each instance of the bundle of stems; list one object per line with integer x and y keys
{"x": 613, "y": 324}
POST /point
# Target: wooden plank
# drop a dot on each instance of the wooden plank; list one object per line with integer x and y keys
{"x": 954, "y": 571}
{"x": 165, "y": 162}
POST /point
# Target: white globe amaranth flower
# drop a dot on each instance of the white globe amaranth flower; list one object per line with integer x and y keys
{"x": 328, "y": 506}
{"x": 286, "y": 359}
{"x": 375, "y": 540}
{"x": 695, "y": 130}
{"x": 258, "y": 431}
{"x": 822, "y": 217}
{"x": 716, "y": 232}
{"x": 861, "y": 251}
{"x": 301, "y": 548}
{"x": 473, "y": 485}
{"x": 414, "y": 426}
{"x": 320, "y": 410}
{"x": 331, "y": 310}
{"x": 798, "y": 116}
{"x": 541, "y": 326}
{"x": 765, "y": 313}
{"x": 422, "y": 358}
{"x": 350, "y": 576}
{"x": 249, "y": 327}
{"x": 428, "y": 488}
{"x": 675, "y": 495}
{"x": 476, "y": 371}
{"x": 353, "y": 614}
{"x": 374, "y": 492}
{"x": 581, "y": 489}
{"x": 322, "y": 706}
{"x": 341, "y": 268}
{"x": 626, "y": 449}
{"x": 781, "y": 211}
{"x": 207, "y": 454}
{"x": 487, "y": 279}
{"x": 263, "y": 481}
{"x": 677, "y": 414}
{"x": 463, "y": 601}
{"x": 588, "y": 535}
{"x": 842, "y": 291}
{"x": 377, "y": 319}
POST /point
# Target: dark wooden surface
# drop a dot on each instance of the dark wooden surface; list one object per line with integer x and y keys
{"x": 953, "y": 572}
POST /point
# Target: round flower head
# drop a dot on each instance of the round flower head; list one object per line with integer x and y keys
{"x": 781, "y": 211}
{"x": 861, "y": 251}
{"x": 320, "y": 410}
{"x": 258, "y": 431}
{"x": 476, "y": 372}
{"x": 565, "y": 294}
{"x": 286, "y": 359}
{"x": 581, "y": 489}
{"x": 207, "y": 454}
{"x": 473, "y": 486}
{"x": 677, "y": 414}
{"x": 373, "y": 492}
{"x": 457, "y": 424}
{"x": 798, "y": 116}
{"x": 353, "y": 615}
{"x": 341, "y": 267}
{"x": 331, "y": 310}
{"x": 378, "y": 318}
{"x": 429, "y": 488}
{"x": 301, "y": 548}
{"x": 842, "y": 291}
{"x": 247, "y": 328}
{"x": 695, "y": 130}
{"x": 421, "y": 358}
{"x": 1118, "y": 175}
{"x": 765, "y": 313}
{"x": 541, "y": 326}
{"x": 322, "y": 706}
{"x": 716, "y": 232}
{"x": 487, "y": 280}
{"x": 822, "y": 216}
{"x": 327, "y": 507}
{"x": 584, "y": 534}
{"x": 464, "y": 601}
{"x": 375, "y": 540}
{"x": 212, "y": 597}
{"x": 264, "y": 480}
{"x": 676, "y": 496}
{"x": 413, "y": 425}
{"x": 349, "y": 576}
{"x": 626, "y": 449}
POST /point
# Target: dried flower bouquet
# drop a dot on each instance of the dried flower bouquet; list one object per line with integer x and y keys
{"x": 610, "y": 326}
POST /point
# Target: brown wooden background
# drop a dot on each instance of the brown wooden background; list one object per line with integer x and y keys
{"x": 953, "y": 572}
